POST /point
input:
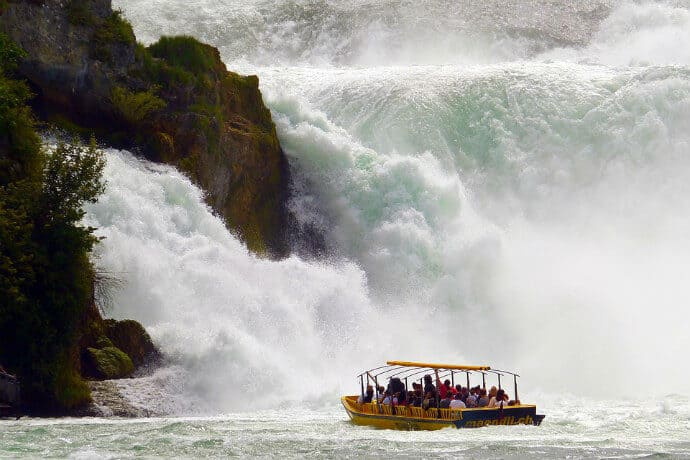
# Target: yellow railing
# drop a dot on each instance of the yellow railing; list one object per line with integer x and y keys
{"x": 404, "y": 411}
{"x": 417, "y": 412}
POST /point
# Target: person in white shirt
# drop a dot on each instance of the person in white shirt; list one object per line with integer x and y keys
{"x": 457, "y": 403}
{"x": 500, "y": 400}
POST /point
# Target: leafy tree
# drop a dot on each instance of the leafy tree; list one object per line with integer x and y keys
{"x": 46, "y": 278}
{"x": 72, "y": 178}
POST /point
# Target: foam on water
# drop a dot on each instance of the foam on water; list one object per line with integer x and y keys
{"x": 577, "y": 428}
{"x": 511, "y": 193}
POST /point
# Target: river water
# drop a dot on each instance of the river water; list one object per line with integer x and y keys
{"x": 574, "y": 428}
{"x": 498, "y": 182}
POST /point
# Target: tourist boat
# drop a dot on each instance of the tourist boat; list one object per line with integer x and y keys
{"x": 401, "y": 417}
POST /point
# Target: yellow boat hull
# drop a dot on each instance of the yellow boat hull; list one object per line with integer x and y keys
{"x": 415, "y": 418}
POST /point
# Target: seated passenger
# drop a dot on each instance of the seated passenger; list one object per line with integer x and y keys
{"x": 387, "y": 399}
{"x": 483, "y": 400}
{"x": 464, "y": 393}
{"x": 417, "y": 394}
{"x": 416, "y": 400}
{"x": 471, "y": 400}
{"x": 368, "y": 396}
{"x": 445, "y": 402}
{"x": 499, "y": 400}
{"x": 429, "y": 400}
{"x": 457, "y": 403}
{"x": 401, "y": 398}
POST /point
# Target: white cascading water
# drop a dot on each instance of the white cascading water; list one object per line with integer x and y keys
{"x": 501, "y": 188}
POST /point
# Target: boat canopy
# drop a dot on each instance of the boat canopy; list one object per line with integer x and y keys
{"x": 411, "y": 370}
{"x": 455, "y": 367}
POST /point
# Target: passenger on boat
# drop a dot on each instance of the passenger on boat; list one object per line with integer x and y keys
{"x": 445, "y": 402}
{"x": 428, "y": 386}
{"x": 471, "y": 400}
{"x": 451, "y": 388}
{"x": 483, "y": 400}
{"x": 492, "y": 392}
{"x": 397, "y": 389}
{"x": 499, "y": 400}
{"x": 380, "y": 393}
{"x": 442, "y": 387}
{"x": 417, "y": 395}
{"x": 368, "y": 396}
{"x": 390, "y": 399}
{"x": 464, "y": 393}
{"x": 429, "y": 400}
{"x": 457, "y": 403}
{"x": 430, "y": 394}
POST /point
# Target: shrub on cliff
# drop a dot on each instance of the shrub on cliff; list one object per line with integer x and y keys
{"x": 79, "y": 14}
{"x": 46, "y": 277}
{"x": 134, "y": 107}
{"x": 188, "y": 53}
{"x": 111, "y": 32}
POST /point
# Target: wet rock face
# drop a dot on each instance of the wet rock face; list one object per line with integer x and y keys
{"x": 60, "y": 62}
{"x": 175, "y": 102}
{"x": 131, "y": 337}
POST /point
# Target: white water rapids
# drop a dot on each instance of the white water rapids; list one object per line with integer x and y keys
{"x": 498, "y": 182}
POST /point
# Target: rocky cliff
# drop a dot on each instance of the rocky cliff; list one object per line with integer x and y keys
{"x": 175, "y": 102}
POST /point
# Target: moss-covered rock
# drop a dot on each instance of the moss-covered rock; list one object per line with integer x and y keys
{"x": 131, "y": 337}
{"x": 175, "y": 101}
{"x": 111, "y": 362}
{"x": 104, "y": 342}
{"x": 128, "y": 336}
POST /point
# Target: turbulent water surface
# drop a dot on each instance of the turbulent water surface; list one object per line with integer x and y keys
{"x": 578, "y": 428}
{"x": 497, "y": 182}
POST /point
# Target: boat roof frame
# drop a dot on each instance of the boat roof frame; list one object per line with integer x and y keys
{"x": 407, "y": 369}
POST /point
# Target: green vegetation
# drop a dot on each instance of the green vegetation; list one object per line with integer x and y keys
{"x": 111, "y": 362}
{"x": 131, "y": 337}
{"x": 187, "y": 53}
{"x": 46, "y": 278}
{"x": 78, "y": 13}
{"x": 115, "y": 30}
{"x": 134, "y": 107}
